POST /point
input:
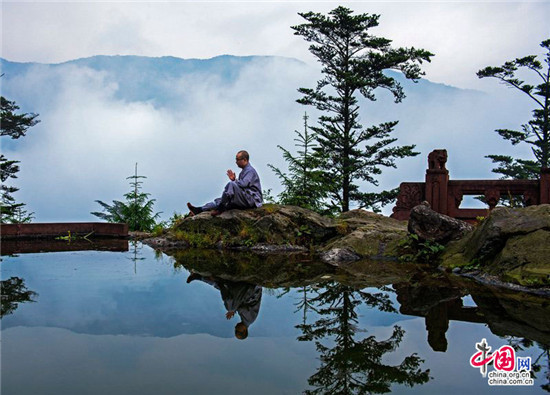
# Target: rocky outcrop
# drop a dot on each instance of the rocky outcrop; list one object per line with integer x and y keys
{"x": 271, "y": 224}
{"x": 366, "y": 234}
{"x": 432, "y": 226}
{"x": 277, "y": 228}
{"x": 511, "y": 244}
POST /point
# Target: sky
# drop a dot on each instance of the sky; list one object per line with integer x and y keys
{"x": 89, "y": 139}
{"x": 465, "y": 36}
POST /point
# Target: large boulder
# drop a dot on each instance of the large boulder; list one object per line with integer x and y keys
{"x": 429, "y": 225}
{"x": 365, "y": 234}
{"x": 277, "y": 228}
{"x": 511, "y": 243}
{"x": 271, "y": 224}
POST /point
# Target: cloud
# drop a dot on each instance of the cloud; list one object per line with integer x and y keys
{"x": 95, "y": 127}
{"x": 464, "y": 36}
{"x": 89, "y": 137}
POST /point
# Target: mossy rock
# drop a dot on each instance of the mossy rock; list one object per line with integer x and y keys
{"x": 524, "y": 259}
{"x": 512, "y": 244}
{"x": 370, "y": 234}
{"x": 271, "y": 224}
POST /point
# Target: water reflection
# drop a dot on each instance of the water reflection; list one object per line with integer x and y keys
{"x": 350, "y": 365}
{"x": 238, "y": 297}
{"x": 14, "y": 292}
{"x": 439, "y": 299}
{"x": 31, "y": 246}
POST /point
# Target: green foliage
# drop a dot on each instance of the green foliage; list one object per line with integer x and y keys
{"x": 14, "y": 125}
{"x": 304, "y": 184}
{"x": 268, "y": 197}
{"x": 73, "y": 236}
{"x": 354, "y": 62}
{"x": 421, "y": 251}
{"x": 137, "y": 211}
{"x": 536, "y": 132}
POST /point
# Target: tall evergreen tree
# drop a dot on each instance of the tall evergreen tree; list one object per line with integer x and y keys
{"x": 353, "y": 63}
{"x": 537, "y": 131}
{"x": 303, "y": 184}
{"x": 137, "y": 211}
{"x": 14, "y": 125}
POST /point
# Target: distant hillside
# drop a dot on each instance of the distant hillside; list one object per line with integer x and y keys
{"x": 183, "y": 119}
{"x": 141, "y": 78}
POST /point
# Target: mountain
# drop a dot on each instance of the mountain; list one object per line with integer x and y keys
{"x": 182, "y": 120}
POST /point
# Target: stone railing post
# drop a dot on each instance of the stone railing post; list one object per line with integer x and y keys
{"x": 544, "y": 186}
{"x": 437, "y": 180}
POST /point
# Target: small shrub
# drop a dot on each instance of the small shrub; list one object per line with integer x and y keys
{"x": 416, "y": 250}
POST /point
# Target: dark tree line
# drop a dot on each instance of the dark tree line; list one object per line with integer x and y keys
{"x": 536, "y": 132}
{"x": 14, "y": 125}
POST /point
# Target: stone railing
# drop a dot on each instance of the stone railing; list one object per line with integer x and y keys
{"x": 445, "y": 196}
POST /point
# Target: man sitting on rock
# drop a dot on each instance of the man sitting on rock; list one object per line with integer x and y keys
{"x": 242, "y": 192}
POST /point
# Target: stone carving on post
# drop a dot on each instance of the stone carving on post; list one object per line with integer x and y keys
{"x": 437, "y": 180}
{"x": 410, "y": 195}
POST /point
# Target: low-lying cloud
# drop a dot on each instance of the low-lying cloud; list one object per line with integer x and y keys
{"x": 91, "y": 134}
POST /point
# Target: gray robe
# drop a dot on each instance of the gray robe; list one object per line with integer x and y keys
{"x": 244, "y": 192}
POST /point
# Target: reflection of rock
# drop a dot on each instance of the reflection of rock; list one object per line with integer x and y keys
{"x": 507, "y": 313}
{"x": 432, "y": 226}
{"x": 273, "y": 270}
{"x": 513, "y": 244}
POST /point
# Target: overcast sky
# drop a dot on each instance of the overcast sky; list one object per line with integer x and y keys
{"x": 465, "y": 36}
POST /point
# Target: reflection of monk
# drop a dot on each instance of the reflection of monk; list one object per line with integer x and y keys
{"x": 239, "y": 297}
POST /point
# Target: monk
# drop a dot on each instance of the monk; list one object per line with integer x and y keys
{"x": 241, "y": 193}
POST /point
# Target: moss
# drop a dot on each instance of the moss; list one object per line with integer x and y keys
{"x": 524, "y": 259}
{"x": 343, "y": 228}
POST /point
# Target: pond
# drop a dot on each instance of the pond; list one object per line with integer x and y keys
{"x": 139, "y": 321}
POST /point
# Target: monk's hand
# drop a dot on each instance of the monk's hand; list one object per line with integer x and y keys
{"x": 231, "y": 175}
{"x": 229, "y": 314}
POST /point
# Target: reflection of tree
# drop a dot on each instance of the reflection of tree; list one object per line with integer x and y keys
{"x": 354, "y": 366}
{"x": 520, "y": 344}
{"x": 136, "y": 253}
{"x": 537, "y": 365}
{"x": 13, "y": 293}
{"x": 305, "y": 303}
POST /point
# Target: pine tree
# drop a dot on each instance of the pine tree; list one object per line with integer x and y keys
{"x": 354, "y": 62}
{"x": 137, "y": 211}
{"x": 537, "y": 131}
{"x": 14, "y": 125}
{"x": 303, "y": 184}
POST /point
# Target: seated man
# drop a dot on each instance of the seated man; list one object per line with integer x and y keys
{"x": 244, "y": 192}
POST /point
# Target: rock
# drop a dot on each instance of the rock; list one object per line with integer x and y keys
{"x": 368, "y": 234}
{"x": 430, "y": 225}
{"x": 269, "y": 225}
{"x": 338, "y": 255}
{"x": 512, "y": 243}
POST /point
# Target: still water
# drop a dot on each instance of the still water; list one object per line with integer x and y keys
{"x": 141, "y": 322}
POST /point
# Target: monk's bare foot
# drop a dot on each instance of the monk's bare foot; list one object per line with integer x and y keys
{"x": 194, "y": 210}
{"x": 192, "y": 277}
